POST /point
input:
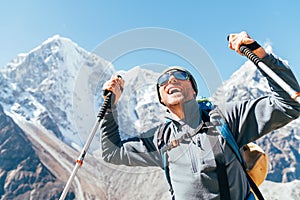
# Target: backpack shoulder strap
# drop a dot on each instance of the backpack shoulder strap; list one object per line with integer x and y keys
{"x": 164, "y": 156}
{"x": 162, "y": 137}
{"x": 221, "y": 167}
{"x": 206, "y": 107}
{"x": 228, "y": 136}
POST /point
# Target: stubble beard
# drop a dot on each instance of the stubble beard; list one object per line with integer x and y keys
{"x": 175, "y": 100}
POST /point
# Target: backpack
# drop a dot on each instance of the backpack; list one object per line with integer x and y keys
{"x": 252, "y": 158}
{"x": 256, "y": 162}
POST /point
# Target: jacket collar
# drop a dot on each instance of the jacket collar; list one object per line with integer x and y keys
{"x": 192, "y": 114}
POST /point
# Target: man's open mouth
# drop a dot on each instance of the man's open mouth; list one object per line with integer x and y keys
{"x": 173, "y": 90}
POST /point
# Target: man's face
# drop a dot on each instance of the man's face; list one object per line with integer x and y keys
{"x": 175, "y": 88}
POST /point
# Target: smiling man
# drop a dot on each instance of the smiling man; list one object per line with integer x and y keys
{"x": 175, "y": 86}
{"x": 189, "y": 146}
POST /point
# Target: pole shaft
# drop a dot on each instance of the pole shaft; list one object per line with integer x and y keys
{"x": 68, "y": 185}
{"x": 79, "y": 161}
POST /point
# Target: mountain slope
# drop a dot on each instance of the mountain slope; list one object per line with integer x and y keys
{"x": 22, "y": 174}
{"x": 94, "y": 180}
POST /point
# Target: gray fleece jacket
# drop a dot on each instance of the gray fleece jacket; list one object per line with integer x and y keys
{"x": 192, "y": 164}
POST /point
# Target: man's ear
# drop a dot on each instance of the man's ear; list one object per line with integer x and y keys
{"x": 162, "y": 101}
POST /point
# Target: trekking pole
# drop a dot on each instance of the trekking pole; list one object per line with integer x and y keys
{"x": 79, "y": 161}
{"x": 258, "y": 62}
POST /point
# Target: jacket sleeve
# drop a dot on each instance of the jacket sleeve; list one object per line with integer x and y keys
{"x": 138, "y": 151}
{"x": 250, "y": 120}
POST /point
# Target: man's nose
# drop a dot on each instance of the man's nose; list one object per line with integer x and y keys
{"x": 172, "y": 79}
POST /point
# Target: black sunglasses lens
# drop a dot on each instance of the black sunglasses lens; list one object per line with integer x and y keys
{"x": 163, "y": 79}
{"x": 180, "y": 75}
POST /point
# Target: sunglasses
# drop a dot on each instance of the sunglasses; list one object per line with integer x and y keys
{"x": 179, "y": 75}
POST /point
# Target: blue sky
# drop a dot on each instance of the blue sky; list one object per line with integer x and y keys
{"x": 26, "y": 24}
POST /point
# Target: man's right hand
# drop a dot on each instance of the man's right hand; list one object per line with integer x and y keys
{"x": 115, "y": 85}
{"x": 237, "y": 39}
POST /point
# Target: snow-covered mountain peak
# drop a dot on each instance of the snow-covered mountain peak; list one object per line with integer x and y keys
{"x": 57, "y": 40}
{"x": 54, "y": 38}
{"x": 139, "y": 107}
{"x": 46, "y": 57}
{"x": 268, "y": 48}
{"x": 245, "y": 83}
{"x": 40, "y": 85}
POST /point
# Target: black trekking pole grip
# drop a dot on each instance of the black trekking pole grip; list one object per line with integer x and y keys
{"x": 258, "y": 62}
{"x": 244, "y": 49}
{"x": 108, "y": 95}
{"x": 105, "y": 105}
{"x": 249, "y": 54}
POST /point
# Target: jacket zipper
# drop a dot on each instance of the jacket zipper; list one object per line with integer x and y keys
{"x": 193, "y": 159}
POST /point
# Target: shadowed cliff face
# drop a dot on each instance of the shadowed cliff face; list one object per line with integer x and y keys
{"x": 21, "y": 172}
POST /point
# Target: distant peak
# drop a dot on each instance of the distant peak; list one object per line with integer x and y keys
{"x": 56, "y": 37}
{"x": 51, "y": 39}
{"x": 268, "y": 47}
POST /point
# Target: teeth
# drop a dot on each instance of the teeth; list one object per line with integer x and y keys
{"x": 172, "y": 90}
